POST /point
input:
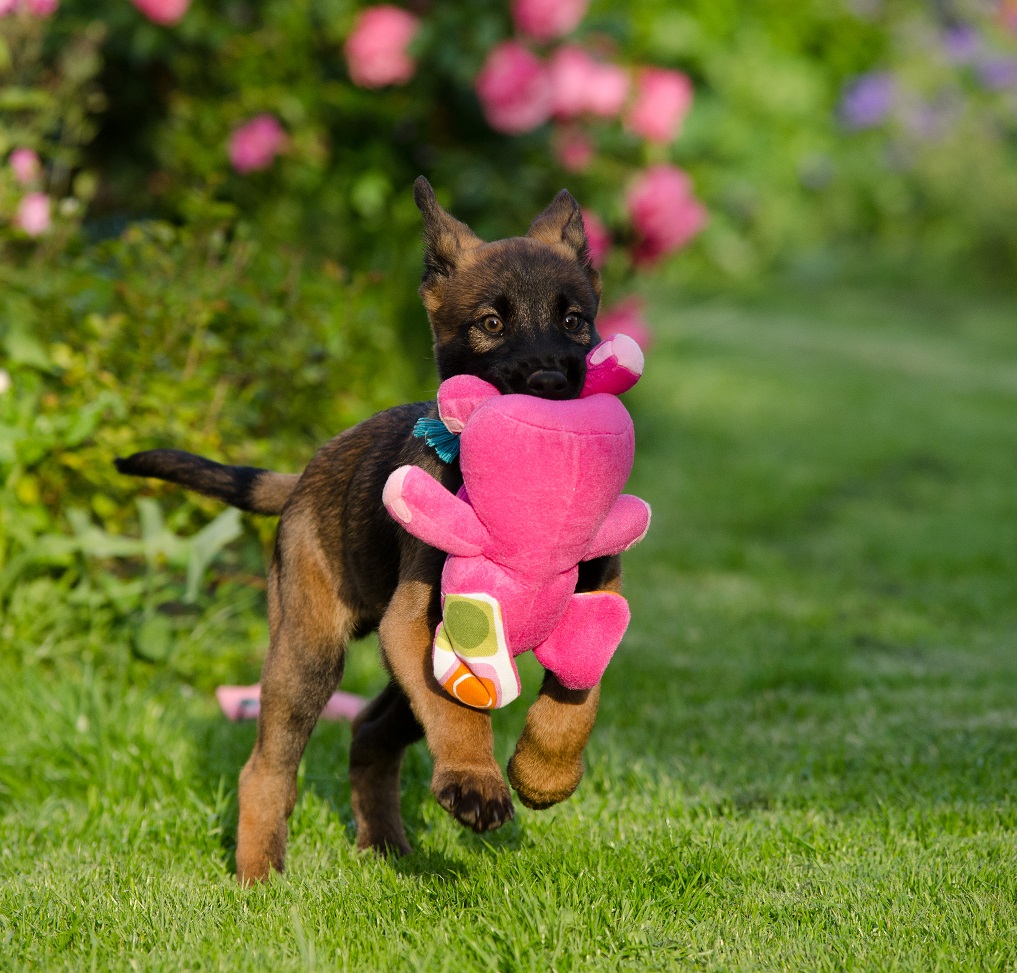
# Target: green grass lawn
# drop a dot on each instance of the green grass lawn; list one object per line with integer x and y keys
{"x": 806, "y": 757}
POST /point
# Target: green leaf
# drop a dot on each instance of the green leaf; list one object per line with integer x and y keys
{"x": 208, "y": 542}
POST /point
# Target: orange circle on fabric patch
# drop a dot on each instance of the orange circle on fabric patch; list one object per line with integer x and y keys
{"x": 471, "y": 689}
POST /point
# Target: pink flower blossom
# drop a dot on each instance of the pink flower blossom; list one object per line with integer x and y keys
{"x": 8, "y": 7}
{"x": 41, "y": 8}
{"x": 573, "y": 149}
{"x": 626, "y": 317}
{"x": 579, "y": 83}
{"x": 543, "y": 20}
{"x": 662, "y": 101}
{"x": 376, "y": 48}
{"x": 255, "y": 144}
{"x": 165, "y": 12}
{"x": 514, "y": 89}
{"x": 598, "y": 239}
{"x": 33, "y": 215}
{"x": 664, "y": 212}
{"x": 25, "y": 164}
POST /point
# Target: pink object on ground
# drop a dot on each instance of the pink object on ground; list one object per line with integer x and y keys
{"x": 542, "y": 484}
{"x": 244, "y": 703}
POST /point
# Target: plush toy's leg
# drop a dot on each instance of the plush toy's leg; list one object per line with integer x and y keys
{"x": 472, "y": 660}
{"x": 581, "y": 646}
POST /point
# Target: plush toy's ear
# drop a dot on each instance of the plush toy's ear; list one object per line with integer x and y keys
{"x": 458, "y": 396}
{"x": 614, "y": 366}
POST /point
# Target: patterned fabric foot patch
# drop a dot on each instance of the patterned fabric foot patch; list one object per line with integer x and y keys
{"x": 471, "y": 656}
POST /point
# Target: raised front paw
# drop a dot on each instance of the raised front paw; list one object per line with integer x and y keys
{"x": 541, "y": 780}
{"x": 477, "y": 799}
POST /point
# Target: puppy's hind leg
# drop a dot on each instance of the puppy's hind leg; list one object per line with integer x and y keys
{"x": 310, "y": 628}
{"x": 381, "y": 733}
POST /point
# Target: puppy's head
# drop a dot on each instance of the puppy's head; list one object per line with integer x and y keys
{"x": 519, "y": 313}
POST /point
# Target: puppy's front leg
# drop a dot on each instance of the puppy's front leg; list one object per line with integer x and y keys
{"x": 547, "y": 765}
{"x": 466, "y": 780}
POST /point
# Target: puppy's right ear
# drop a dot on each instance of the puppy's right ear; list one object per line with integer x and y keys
{"x": 446, "y": 239}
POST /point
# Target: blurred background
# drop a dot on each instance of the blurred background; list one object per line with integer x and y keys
{"x": 208, "y": 240}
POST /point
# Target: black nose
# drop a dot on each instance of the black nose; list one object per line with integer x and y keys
{"x": 547, "y": 382}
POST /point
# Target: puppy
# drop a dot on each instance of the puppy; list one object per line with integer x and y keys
{"x": 520, "y": 314}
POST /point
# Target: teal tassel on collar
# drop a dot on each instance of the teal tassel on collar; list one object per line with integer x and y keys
{"x": 436, "y": 434}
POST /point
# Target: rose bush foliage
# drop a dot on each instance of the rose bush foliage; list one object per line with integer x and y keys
{"x": 207, "y": 236}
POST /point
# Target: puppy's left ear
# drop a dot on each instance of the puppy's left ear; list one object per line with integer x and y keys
{"x": 561, "y": 225}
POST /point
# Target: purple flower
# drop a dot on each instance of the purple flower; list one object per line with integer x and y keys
{"x": 868, "y": 99}
{"x": 961, "y": 43}
{"x": 998, "y": 73}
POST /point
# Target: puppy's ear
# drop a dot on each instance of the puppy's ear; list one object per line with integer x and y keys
{"x": 445, "y": 237}
{"x": 561, "y": 224}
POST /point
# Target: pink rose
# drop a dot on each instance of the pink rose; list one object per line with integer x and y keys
{"x": 255, "y": 144}
{"x": 165, "y": 12}
{"x": 573, "y": 149}
{"x": 662, "y": 101}
{"x": 33, "y": 214}
{"x": 581, "y": 84}
{"x": 514, "y": 89}
{"x": 41, "y": 8}
{"x": 597, "y": 238}
{"x": 376, "y": 48}
{"x": 26, "y": 165}
{"x": 543, "y": 20}
{"x": 664, "y": 212}
{"x": 626, "y": 317}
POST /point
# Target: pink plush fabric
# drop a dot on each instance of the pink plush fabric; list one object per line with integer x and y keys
{"x": 542, "y": 492}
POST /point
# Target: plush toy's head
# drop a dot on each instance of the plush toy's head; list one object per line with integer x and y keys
{"x": 537, "y": 470}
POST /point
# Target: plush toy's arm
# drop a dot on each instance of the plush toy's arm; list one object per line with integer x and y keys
{"x": 626, "y": 525}
{"x": 429, "y": 511}
{"x": 614, "y": 366}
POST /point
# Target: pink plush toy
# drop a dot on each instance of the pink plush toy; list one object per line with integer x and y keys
{"x": 542, "y": 484}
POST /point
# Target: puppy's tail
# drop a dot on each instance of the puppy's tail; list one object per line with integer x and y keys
{"x": 246, "y": 487}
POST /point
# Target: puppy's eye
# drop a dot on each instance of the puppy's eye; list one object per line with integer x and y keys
{"x": 572, "y": 322}
{"x": 492, "y": 324}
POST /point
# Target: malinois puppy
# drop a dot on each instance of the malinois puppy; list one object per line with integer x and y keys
{"x": 519, "y": 313}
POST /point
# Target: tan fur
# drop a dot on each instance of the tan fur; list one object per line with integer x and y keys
{"x": 271, "y": 491}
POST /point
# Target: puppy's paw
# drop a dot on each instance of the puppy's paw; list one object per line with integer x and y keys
{"x": 540, "y": 781}
{"x": 476, "y": 799}
{"x": 391, "y": 844}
